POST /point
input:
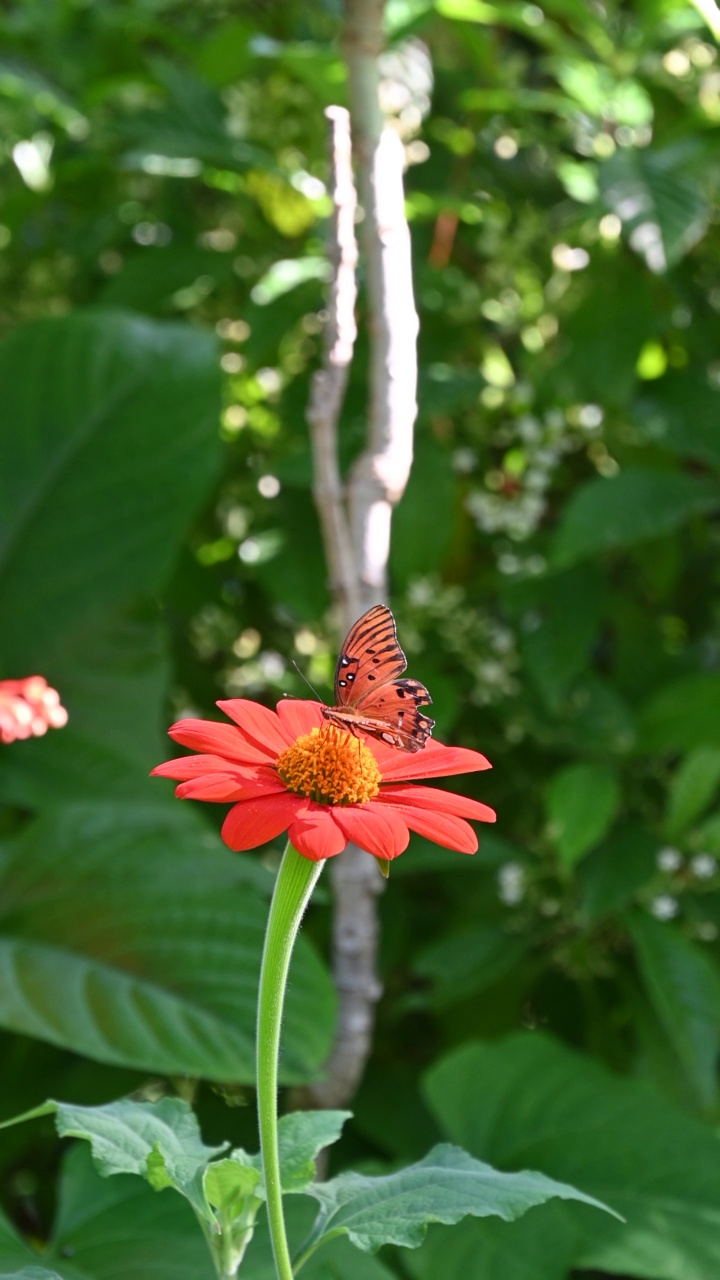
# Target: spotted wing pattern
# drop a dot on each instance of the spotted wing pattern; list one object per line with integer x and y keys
{"x": 368, "y": 695}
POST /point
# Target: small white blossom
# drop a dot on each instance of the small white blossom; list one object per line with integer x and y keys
{"x": 669, "y": 859}
{"x": 511, "y": 883}
{"x": 664, "y": 907}
{"x": 704, "y": 866}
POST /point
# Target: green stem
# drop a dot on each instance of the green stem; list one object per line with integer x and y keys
{"x": 295, "y": 882}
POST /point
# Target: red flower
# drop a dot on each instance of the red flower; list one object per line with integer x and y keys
{"x": 28, "y": 708}
{"x": 295, "y": 772}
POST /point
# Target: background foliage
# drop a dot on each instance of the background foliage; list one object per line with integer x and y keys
{"x": 554, "y": 575}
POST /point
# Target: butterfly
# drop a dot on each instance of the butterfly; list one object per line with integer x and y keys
{"x": 368, "y": 695}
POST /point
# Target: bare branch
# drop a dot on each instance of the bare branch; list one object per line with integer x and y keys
{"x": 330, "y": 380}
{"x": 381, "y": 473}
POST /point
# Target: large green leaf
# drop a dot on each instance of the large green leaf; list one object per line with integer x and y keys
{"x": 530, "y": 1101}
{"x": 683, "y": 984}
{"x": 132, "y": 935}
{"x": 610, "y": 514}
{"x": 539, "y": 1246}
{"x": 114, "y": 443}
{"x": 659, "y": 201}
{"x": 446, "y": 1186}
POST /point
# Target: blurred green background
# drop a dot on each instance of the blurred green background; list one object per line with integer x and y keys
{"x": 555, "y": 1001}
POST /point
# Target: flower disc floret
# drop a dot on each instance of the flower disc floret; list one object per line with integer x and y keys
{"x": 330, "y": 766}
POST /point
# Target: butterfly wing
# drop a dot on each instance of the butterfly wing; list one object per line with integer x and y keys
{"x": 394, "y": 713}
{"x": 370, "y": 656}
{"x": 368, "y": 695}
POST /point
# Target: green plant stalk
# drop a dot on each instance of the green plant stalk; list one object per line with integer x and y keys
{"x": 295, "y": 882}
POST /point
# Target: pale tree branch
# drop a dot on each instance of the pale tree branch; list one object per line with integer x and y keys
{"x": 330, "y": 380}
{"x": 356, "y": 527}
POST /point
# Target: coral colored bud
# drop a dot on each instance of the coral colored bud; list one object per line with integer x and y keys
{"x": 28, "y": 708}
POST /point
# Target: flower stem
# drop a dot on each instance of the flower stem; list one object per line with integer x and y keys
{"x": 295, "y": 882}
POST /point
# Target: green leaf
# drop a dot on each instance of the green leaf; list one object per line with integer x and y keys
{"x": 539, "y": 1246}
{"x": 191, "y": 126}
{"x": 683, "y": 984}
{"x": 231, "y": 1182}
{"x": 680, "y": 414}
{"x": 302, "y": 1135}
{"x": 560, "y": 620}
{"x": 113, "y": 676}
{"x": 126, "y": 443}
{"x": 612, "y": 873}
{"x": 30, "y": 1273}
{"x": 682, "y": 715}
{"x": 461, "y": 965}
{"x": 419, "y": 545}
{"x": 611, "y": 514}
{"x": 131, "y": 935}
{"x": 582, "y": 801}
{"x": 692, "y": 788}
{"x": 110, "y": 1227}
{"x": 604, "y": 333}
{"x": 659, "y": 202}
{"x": 159, "y": 1141}
{"x": 527, "y": 1100}
{"x": 444, "y": 1187}
{"x": 148, "y": 278}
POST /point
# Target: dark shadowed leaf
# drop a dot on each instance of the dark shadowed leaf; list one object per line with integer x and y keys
{"x": 610, "y": 514}
{"x": 683, "y": 715}
{"x": 683, "y": 984}
{"x": 529, "y": 1101}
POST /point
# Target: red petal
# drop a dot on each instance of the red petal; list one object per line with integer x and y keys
{"x": 228, "y": 786}
{"x": 259, "y": 724}
{"x": 434, "y": 761}
{"x": 299, "y": 716}
{"x": 254, "y": 822}
{"x": 218, "y": 787}
{"x": 440, "y": 801}
{"x": 219, "y": 739}
{"x": 185, "y": 767}
{"x": 315, "y": 834}
{"x": 384, "y": 834}
{"x": 443, "y": 828}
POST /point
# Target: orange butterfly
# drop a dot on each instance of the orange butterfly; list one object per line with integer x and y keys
{"x": 368, "y": 695}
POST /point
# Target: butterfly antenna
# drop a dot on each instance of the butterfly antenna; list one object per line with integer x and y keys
{"x": 304, "y": 677}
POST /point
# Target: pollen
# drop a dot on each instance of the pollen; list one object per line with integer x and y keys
{"x": 331, "y": 766}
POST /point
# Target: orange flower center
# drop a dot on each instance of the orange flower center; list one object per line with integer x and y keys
{"x": 330, "y": 766}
